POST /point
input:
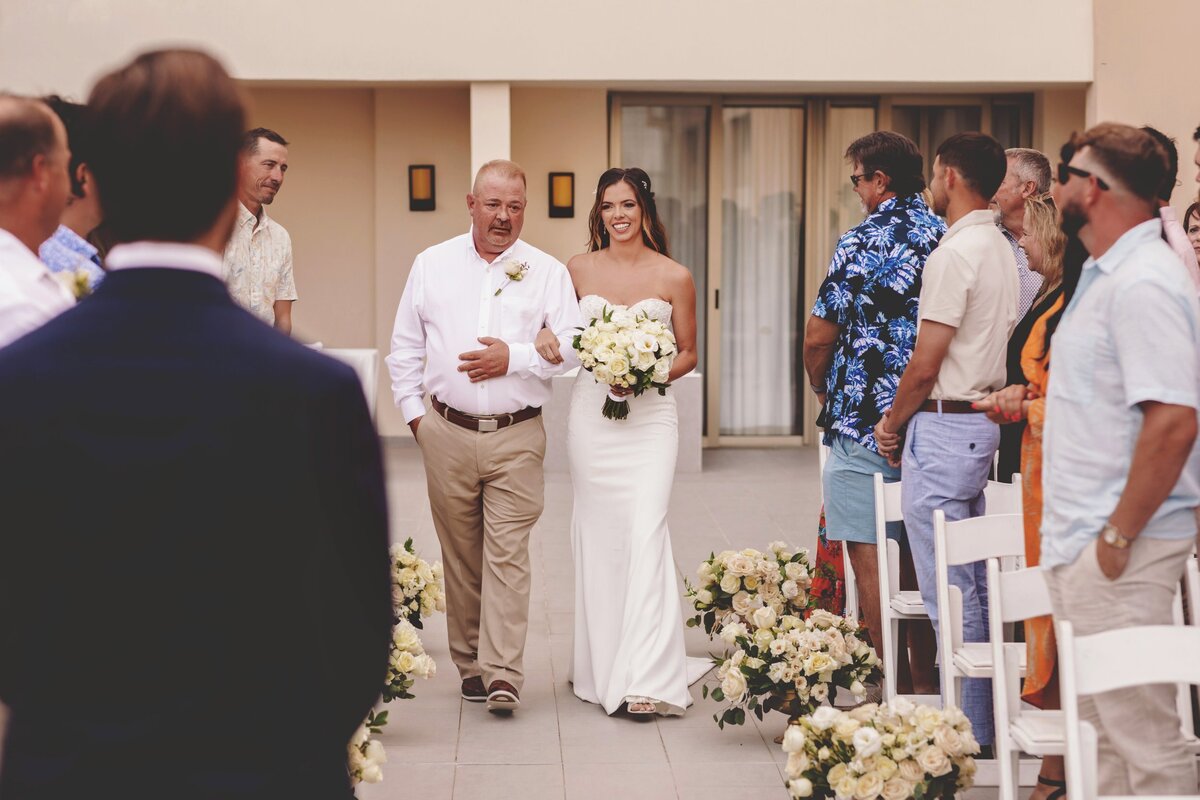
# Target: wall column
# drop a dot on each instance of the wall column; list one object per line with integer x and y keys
{"x": 491, "y": 123}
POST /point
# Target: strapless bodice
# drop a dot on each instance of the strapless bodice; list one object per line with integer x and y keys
{"x": 592, "y": 305}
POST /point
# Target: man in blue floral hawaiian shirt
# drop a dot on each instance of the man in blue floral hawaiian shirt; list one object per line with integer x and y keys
{"x": 858, "y": 342}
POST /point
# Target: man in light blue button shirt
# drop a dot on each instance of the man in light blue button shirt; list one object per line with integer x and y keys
{"x": 1120, "y": 493}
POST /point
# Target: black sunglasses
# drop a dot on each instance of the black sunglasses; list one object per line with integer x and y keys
{"x": 1065, "y": 171}
{"x": 854, "y": 179}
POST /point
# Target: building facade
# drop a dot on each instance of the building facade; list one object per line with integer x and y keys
{"x": 740, "y": 114}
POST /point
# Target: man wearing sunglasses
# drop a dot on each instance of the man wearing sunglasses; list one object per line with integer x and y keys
{"x": 1120, "y": 494}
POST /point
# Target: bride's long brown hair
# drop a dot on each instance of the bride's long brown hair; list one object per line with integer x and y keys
{"x": 654, "y": 235}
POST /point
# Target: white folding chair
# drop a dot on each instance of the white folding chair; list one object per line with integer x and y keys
{"x": 965, "y": 542}
{"x": 1013, "y": 597}
{"x": 894, "y": 604}
{"x": 1101, "y": 663}
{"x": 1191, "y": 577}
{"x": 1003, "y": 498}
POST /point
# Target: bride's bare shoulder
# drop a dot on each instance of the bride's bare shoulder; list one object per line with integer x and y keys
{"x": 675, "y": 275}
{"x": 580, "y": 264}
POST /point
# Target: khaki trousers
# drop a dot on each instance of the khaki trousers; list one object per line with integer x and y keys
{"x": 1141, "y": 747}
{"x": 486, "y": 490}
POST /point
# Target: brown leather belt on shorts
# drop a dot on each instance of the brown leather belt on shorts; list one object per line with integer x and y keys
{"x": 483, "y": 424}
{"x": 949, "y": 407}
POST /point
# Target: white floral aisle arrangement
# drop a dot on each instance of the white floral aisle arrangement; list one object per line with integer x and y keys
{"x": 406, "y": 662}
{"x": 418, "y": 587}
{"x": 736, "y": 583}
{"x": 789, "y": 664}
{"x": 895, "y": 752}
{"x": 366, "y": 756}
{"x": 627, "y": 350}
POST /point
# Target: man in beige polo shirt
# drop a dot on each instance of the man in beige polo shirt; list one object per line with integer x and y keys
{"x": 968, "y": 309}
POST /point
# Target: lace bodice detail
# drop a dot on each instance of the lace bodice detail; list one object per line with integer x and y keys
{"x": 592, "y": 305}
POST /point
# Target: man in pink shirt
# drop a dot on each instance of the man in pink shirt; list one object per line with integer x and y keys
{"x": 1173, "y": 232}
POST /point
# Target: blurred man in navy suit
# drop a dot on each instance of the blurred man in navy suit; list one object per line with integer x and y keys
{"x": 194, "y": 589}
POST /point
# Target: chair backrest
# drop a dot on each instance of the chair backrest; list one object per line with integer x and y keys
{"x": 1101, "y": 663}
{"x": 887, "y": 502}
{"x": 966, "y": 541}
{"x": 1003, "y": 498}
{"x": 1018, "y": 595}
{"x": 1191, "y": 577}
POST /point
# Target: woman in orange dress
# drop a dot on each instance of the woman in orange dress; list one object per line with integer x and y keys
{"x": 1050, "y": 254}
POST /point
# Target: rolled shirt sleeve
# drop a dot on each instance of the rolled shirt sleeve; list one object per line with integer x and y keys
{"x": 1156, "y": 351}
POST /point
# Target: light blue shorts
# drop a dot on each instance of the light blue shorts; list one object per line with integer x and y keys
{"x": 849, "y": 484}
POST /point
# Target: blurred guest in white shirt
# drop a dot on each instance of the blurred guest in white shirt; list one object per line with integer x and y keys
{"x": 465, "y": 333}
{"x": 34, "y": 187}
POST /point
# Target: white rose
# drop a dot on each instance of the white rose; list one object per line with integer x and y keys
{"x": 934, "y": 761}
{"x": 790, "y": 589}
{"x": 666, "y": 343}
{"x": 869, "y": 786}
{"x": 801, "y": 787}
{"x": 911, "y": 771}
{"x": 361, "y": 735}
{"x": 794, "y": 739}
{"x": 866, "y": 742}
{"x": 857, "y": 689}
{"x": 845, "y": 787}
{"x": 902, "y": 705}
{"x": 706, "y": 573}
{"x": 750, "y": 582}
{"x": 745, "y": 603}
{"x": 927, "y": 719}
{"x": 425, "y": 572}
{"x": 619, "y": 364}
{"x": 704, "y": 597}
{"x": 793, "y": 570}
{"x": 846, "y": 727}
{"x": 588, "y": 337}
{"x": 763, "y": 637}
{"x": 730, "y": 583}
{"x": 823, "y": 619}
{"x": 602, "y": 374}
{"x": 662, "y": 370}
{"x": 623, "y": 318}
{"x": 897, "y": 789}
{"x": 405, "y": 662}
{"x": 734, "y": 686}
{"x": 404, "y": 636}
{"x": 731, "y": 632}
{"x": 818, "y": 663}
{"x": 885, "y": 767}
{"x": 949, "y": 740}
{"x": 778, "y": 672}
{"x": 824, "y": 718}
{"x": 763, "y": 618}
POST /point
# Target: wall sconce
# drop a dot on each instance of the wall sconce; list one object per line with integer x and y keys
{"x": 421, "y": 191}
{"x": 562, "y": 195}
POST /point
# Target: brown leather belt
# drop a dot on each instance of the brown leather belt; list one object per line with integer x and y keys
{"x": 949, "y": 407}
{"x": 483, "y": 424}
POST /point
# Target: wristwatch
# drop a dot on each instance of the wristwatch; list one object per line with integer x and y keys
{"x": 1114, "y": 538}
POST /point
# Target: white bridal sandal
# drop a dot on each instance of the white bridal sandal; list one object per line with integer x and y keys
{"x": 640, "y": 706}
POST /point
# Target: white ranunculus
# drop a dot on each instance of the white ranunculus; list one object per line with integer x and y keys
{"x": 763, "y": 618}
{"x": 934, "y": 761}
{"x": 824, "y": 718}
{"x": 801, "y": 787}
{"x": 794, "y": 739}
{"x": 867, "y": 742}
{"x": 869, "y": 786}
{"x": 730, "y": 583}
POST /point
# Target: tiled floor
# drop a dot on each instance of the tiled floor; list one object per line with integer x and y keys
{"x": 557, "y": 746}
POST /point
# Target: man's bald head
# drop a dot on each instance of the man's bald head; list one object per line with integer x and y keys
{"x": 28, "y": 128}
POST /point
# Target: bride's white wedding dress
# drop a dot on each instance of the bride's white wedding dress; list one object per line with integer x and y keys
{"x": 628, "y": 610}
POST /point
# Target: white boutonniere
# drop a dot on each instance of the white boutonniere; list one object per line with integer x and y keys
{"x": 77, "y": 282}
{"x": 515, "y": 270}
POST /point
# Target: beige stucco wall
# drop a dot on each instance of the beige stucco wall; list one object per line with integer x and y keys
{"x": 1138, "y": 82}
{"x": 795, "y": 44}
{"x": 559, "y": 130}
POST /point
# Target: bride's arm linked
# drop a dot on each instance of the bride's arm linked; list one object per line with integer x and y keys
{"x": 683, "y": 320}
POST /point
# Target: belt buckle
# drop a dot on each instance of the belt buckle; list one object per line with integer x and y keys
{"x": 489, "y": 425}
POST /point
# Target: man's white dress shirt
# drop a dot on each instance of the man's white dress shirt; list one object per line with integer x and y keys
{"x": 30, "y": 295}
{"x": 1131, "y": 335}
{"x": 450, "y": 301}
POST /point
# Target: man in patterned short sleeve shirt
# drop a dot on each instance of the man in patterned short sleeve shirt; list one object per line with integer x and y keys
{"x": 258, "y": 258}
{"x": 859, "y": 340}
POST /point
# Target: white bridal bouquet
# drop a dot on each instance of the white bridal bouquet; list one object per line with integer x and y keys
{"x": 418, "y": 588}
{"x": 366, "y": 755}
{"x": 626, "y": 349}
{"x": 789, "y": 664}
{"x": 736, "y": 583}
{"x": 894, "y": 752}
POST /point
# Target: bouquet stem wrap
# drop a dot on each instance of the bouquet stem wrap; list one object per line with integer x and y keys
{"x": 615, "y": 407}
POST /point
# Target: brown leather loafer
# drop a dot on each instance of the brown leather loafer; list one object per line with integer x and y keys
{"x": 473, "y": 690}
{"x": 502, "y": 697}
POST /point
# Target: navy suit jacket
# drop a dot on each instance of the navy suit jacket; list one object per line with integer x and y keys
{"x": 194, "y": 589}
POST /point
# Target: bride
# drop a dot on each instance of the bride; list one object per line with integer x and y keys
{"x": 628, "y": 623}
